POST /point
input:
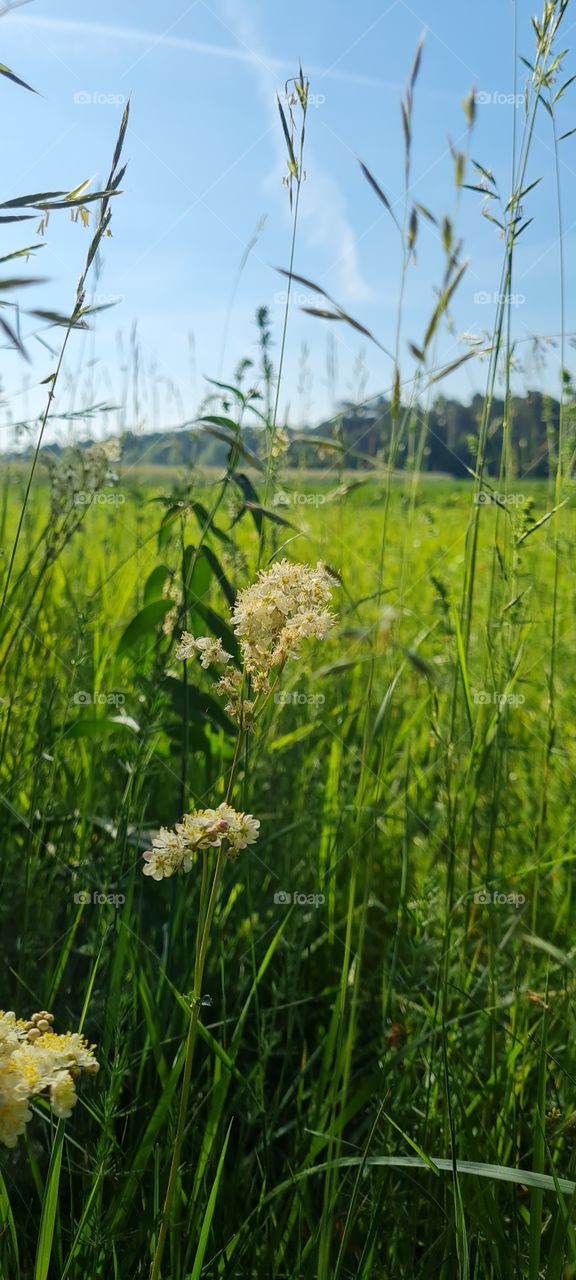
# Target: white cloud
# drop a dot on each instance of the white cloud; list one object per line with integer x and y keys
{"x": 323, "y": 205}
{"x": 135, "y": 35}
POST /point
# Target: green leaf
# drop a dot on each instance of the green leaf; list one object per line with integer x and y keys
{"x": 323, "y": 442}
{"x": 291, "y": 157}
{"x": 157, "y": 1122}
{"x": 427, "y": 1160}
{"x": 49, "y": 1207}
{"x": 63, "y": 322}
{"x": 206, "y": 523}
{"x": 231, "y": 438}
{"x": 463, "y": 668}
{"x": 216, "y": 420}
{"x": 209, "y": 1211}
{"x": 168, "y": 519}
{"x": 14, "y": 339}
{"x": 144, "y": 623}
{"x": 496, "y": 1172}
{"x": 154, "y": 584}
{"x": 20, "y": 282}
{"x": 21, "y": 202}
{"x": 7, "y": 1220}
{"x": 200, "y": 705}
{"x": 5, "y": 71}
{"x": 244, "y": 484}
{"x": 274, "y": 516}
{"x": 297, "y": 735}
{"x": 227, "y": 589}
{"x": 197, "y": 574}
{"x": 379, "y": 192}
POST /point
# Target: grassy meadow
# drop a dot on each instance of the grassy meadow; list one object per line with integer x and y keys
{"x": 346, "y": 1052}
{"x": 391, "y": 1011}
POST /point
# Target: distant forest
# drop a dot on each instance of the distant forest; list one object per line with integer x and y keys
{"x": 445, "y": 441}
{"x": 363, "y": 434}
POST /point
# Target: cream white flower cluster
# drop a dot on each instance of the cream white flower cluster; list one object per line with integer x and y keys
{"x": 82, "y": 472}
{"x": 171, "y": 591}
{"x": 210, "y": 650}
{"x": 34, "y": 1059}
{"x": 288, "y": 603}
{"x": 173, "y": 849}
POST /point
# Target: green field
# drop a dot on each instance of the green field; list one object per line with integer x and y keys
{"x": 288, "y": 744}
{"x": 387, "y": 1011}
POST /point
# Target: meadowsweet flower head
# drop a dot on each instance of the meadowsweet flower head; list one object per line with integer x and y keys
{"x": 230, "y": 686}
{"x": 210, "y": 650}
{"x": 171, "y": 591}
{"x": 288, "y": 603}
{"x": 280, "y": 443}
{"x": 165, "y": 856}
{"x": 224, "y": 827}
{"x": 34, "y": 1060}
{"x": 81, "y": 471}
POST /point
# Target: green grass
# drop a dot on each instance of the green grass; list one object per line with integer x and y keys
{"x": 396, "y": 1017}
{"x": 383, "y": 1082}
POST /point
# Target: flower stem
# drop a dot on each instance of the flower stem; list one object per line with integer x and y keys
{"x": 187, "y": 1076}
{"x": 202, "y": 939}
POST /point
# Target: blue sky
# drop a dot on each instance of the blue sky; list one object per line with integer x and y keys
{"x": 206, "y": 161}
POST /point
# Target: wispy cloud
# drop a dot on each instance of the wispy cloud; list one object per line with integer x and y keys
{"x": 323, "y": 211}
{"x": 135, "y": 36}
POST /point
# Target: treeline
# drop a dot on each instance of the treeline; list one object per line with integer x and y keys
{"x": 445, "y": 440}
{"x": 359, "y": 436}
